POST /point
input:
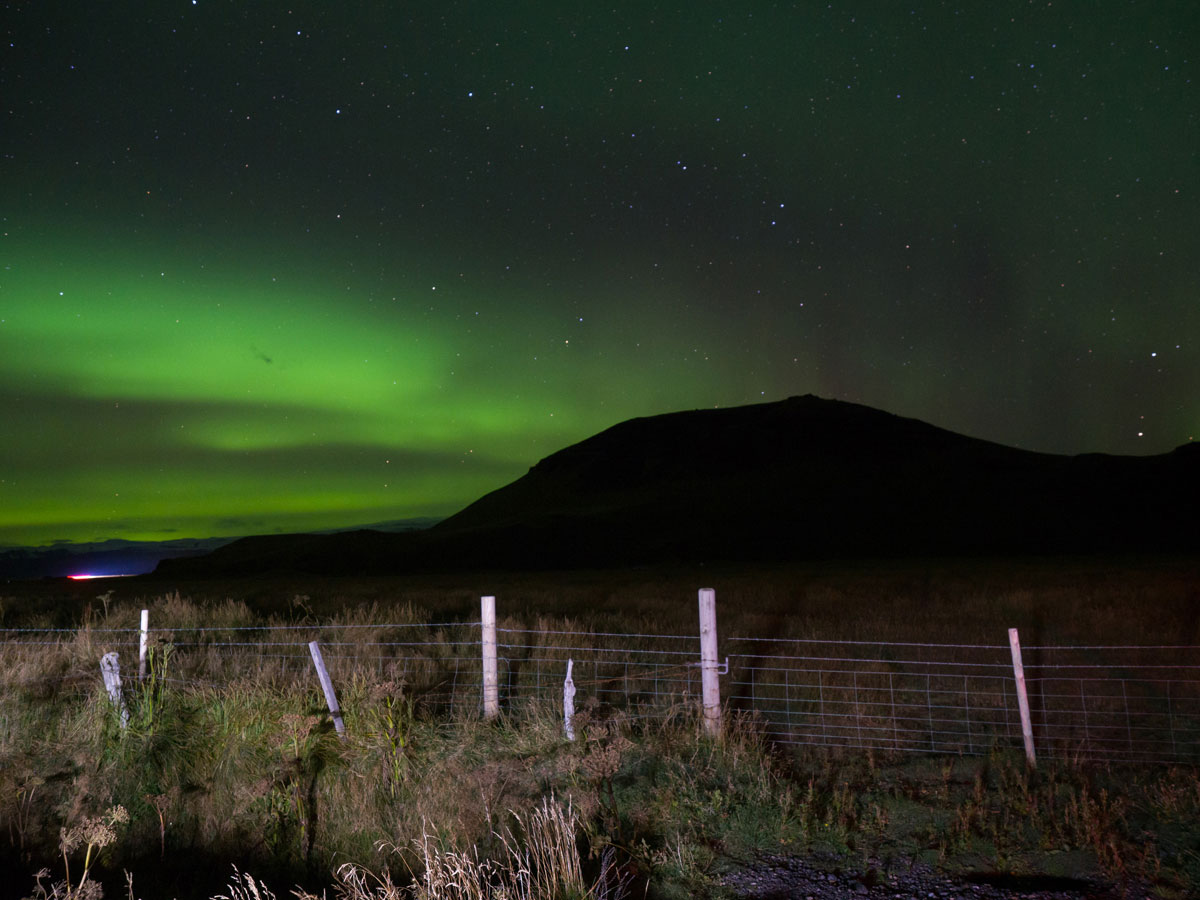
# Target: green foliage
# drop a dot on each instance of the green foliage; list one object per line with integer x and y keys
{"x": 241, "y": 762}
{"x": 389, "y": 715}
{"x": 151, "y": 694}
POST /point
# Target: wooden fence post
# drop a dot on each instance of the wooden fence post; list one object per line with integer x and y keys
{"x": 327, "y": 686}
{"x": 1014, "y": 642}
{"x": 110, "y": 669}
{"x": 710, "y": 686}
{"x": 491, "y": 680}
{"x": 143, "y": 633}
{"x": 569, "y": 702}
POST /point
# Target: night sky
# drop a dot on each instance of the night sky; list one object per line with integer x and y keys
{"x": 294, "y": 266}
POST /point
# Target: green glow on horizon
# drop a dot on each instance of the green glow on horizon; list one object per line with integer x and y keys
{"x": 146, "y": 400}
{"x": 237, "y": 277}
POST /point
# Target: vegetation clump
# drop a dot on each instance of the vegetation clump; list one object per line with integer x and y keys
{"x": 229, "y": 757}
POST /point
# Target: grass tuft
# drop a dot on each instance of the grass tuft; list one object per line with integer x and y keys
{"x": 230, "y": 755}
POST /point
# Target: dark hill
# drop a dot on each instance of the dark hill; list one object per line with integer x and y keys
{"x": 776, "y": 481}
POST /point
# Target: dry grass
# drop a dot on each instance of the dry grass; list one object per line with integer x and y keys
{"x": 235, "y": 759}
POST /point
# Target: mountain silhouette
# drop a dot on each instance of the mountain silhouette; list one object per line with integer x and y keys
{"x": 795, "y": 479}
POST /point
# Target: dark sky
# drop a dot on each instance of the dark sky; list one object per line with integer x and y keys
{"x": 286, "y": 266}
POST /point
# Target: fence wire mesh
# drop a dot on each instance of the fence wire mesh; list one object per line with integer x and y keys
{"x": 1111, "y": 704}
{"x": 648, "y": 676}
{"x": 1120, "y": 704}
{"x": 926, "y": 698}
{"x": 435, "y": 665}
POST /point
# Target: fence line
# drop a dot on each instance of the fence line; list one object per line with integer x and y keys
{"x": 1111, "y": 705}
{"x": 1128, "y": 703}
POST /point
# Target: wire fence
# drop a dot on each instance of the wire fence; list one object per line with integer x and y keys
{"x": 1139, "y": 704}
{"x": 1109, "y": 703}
{"x": 437, "y": 665}
{"x": 1119, "y": 704}
{"x": 880, "y": 696}
{"x": 647, "y": 676}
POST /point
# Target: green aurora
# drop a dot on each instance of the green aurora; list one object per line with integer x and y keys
{"x": 280, "y": 269}
{"x": 160, "y": 397}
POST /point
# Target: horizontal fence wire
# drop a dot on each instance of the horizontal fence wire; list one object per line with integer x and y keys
{"x": 646, "y": 676}
{"x": 1118, "y": 704}
{"x": 1123, "y": 704}
{"x": 907, "y": 697}
{"x": 437, "y": 666}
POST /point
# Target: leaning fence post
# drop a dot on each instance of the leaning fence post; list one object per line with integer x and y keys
{"x": 111, "y": 670}
{"x": 709, "y": 686}
{"x": 569, "y": 702}
{"x": 142, "y": 634}
{"x": 491, "y": 680}
{"x": 327, "y": 686}
{"x": 1014, "y": 643}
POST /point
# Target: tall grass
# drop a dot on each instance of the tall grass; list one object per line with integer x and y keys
{"x": 230, "y": 756}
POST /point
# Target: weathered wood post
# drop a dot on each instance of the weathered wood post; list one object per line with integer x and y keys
{"x": 1014, "y": 643}
{"x": 110, "y": 669}
{"x": 709, "y": 685}
{"x": 327, "y": 686}
{"x": 143, "y": 634}
{"x": 569, "y": 702}
{"x": 491, "y": 680}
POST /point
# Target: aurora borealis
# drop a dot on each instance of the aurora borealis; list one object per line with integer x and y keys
{"x": 276, "y": 267}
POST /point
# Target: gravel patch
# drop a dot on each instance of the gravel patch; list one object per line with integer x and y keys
{"x": 794, "y": 878}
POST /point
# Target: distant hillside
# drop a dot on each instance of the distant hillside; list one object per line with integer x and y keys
{"x": 799, "y": 478}
{"x": 121, "y": 557}
{"x": 112, "y": 557}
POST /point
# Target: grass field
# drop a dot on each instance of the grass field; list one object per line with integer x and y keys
{"x": 244, "y": 768}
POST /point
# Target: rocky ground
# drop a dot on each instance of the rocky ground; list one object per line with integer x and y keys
{"x": 792, "y": 878}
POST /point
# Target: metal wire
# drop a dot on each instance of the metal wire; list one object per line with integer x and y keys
{"x": 1111, "y": 705}
{"x": 1134, "y": 704}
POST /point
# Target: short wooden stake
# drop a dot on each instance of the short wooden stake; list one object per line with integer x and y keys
{"x": 491, "y": 680}
{"x": 327, "y": 686}
{"x": 143, "y": 634}
{"x": 709, "y": 670}
{"x": 1014, "y": 643}
{"x": 110, "y": 669}
{"x": 569, "y": 702}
